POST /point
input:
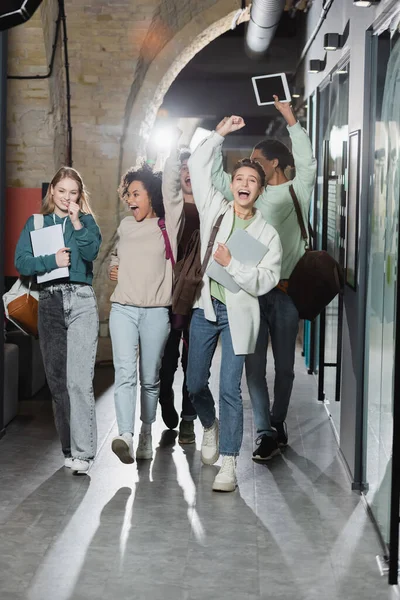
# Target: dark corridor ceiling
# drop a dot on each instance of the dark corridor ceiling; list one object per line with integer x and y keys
{"x": 217, "y": 81}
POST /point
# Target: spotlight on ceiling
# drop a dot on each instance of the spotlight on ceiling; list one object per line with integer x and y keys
{"x": 332, "y": 41}
{"x": 316, "y": 66}
{"x": 365, "y": 3}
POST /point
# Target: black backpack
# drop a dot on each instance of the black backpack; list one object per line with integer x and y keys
{"x": 316, "y": 279}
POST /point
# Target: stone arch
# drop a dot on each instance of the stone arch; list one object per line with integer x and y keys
{"x": 164, "y": 69}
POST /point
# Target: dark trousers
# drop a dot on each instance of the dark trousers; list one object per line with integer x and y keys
{"x": 168, "y": 369}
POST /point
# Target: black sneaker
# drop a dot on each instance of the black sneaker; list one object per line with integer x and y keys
{"x": 267, "y": 448}
{"x": 282, "y": 437}
{"x": 168, "y": 412}
{"x": 186, "y": 432}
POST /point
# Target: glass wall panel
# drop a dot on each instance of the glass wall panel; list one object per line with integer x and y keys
{"x": 383, "y": 259}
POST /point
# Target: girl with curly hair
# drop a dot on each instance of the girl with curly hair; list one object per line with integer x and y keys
{"x": 139, "y": 319}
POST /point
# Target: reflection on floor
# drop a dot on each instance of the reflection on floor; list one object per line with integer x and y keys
{"x": 152, "y": 531}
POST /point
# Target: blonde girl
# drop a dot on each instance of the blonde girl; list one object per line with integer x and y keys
{"x": 68, "y": 317}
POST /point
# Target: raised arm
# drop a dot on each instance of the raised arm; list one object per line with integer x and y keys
{"x": 304, "y": 161}
{"x": 27, "y": 264}
{"x": 261, "y": 279}
{"x": 221, "y": 180}
{"x": 171, "y": 190}
{"x": 201, "y": 165}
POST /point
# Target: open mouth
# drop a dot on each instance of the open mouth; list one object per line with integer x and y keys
{"x": 134, "y": 208}
{"x": 244, "y": 194}
{"x": 187, "y": 181}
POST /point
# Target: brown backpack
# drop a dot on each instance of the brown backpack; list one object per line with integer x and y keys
{"x": 189, "y": 272}
{"x": 316, "y": 279}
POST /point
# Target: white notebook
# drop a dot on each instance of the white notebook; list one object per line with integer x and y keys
{"x": 49, "y": 240}
{"x": 245, "y": 249}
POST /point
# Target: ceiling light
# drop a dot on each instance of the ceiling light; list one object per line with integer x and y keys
{"x": 316, "y": 66}
{"x": 365, "y": 3}
{"x": 332, "y": 41}
{"x": 161, "y": 137}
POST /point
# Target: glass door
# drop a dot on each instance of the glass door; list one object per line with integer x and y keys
{"x": 330, "y": 225}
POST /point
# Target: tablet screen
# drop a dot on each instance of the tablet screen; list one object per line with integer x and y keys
{"x": 267, "y": 87}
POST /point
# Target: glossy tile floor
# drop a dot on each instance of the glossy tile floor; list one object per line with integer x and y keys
{"x": 155, "y": 530}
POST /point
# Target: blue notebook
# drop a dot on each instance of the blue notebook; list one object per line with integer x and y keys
{"x": 245, "y": 249}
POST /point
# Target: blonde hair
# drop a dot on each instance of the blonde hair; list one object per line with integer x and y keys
{"x": 70, "y": 173}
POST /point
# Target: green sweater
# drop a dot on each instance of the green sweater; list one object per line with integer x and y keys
{"x": 84, "y": 245}
{"x": 275, "y": 203}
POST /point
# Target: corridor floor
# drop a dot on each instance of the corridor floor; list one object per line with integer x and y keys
{"x": 156, "y": 531}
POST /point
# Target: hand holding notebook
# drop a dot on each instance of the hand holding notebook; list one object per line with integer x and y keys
{"x": 246, "y": 250}
{"x": 45, "y": 241}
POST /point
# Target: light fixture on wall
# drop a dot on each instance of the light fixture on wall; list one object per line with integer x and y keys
{"x": 333, "y": 41}
{"x": 297, "y": 92}
{"x": 365, "y": 3}
{"x": 316, "y": 66}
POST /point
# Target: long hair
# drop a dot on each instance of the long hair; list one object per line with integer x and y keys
{"x": 70, "y": 173}
{"x": 152, "y": 183}
{"x": 275, "y": 149}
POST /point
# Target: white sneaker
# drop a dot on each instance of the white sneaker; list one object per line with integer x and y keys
{"x": 225, "y": 481}
{"x": 80, "y": 466}
{"x": 145, "y": 447}
{"x": 68, "y": 462}
{"x": 122, "y": 446}
{"x": 210, "y": 445}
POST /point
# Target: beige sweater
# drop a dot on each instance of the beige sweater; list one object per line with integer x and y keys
{"x": 144, "y": 274}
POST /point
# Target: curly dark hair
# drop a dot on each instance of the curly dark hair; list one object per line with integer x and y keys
{"x": 151, "y": 182}
{"x": 185, "y": 154}
{"x": 253, "y": 164}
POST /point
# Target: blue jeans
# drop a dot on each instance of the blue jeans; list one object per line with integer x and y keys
{"x": 68, "y": 332}
{"x": 280, "y": 321}
{"x": 137, "y": 332}
{"x": 203, "y": 339}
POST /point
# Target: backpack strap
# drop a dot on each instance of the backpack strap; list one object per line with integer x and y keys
{"x": 211, "y": 243}
{"x": 307, "y": 238}
{"x": 169, "y": 255}
{"x": 168, "y": 250}
{"x": 38, "y": 221}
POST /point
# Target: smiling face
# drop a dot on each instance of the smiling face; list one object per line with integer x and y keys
{"x": 64, "y": 192}
{"x": 246, "y": 187}
{"x": 186, "y": 184}
{"x": 138, "y": 201}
